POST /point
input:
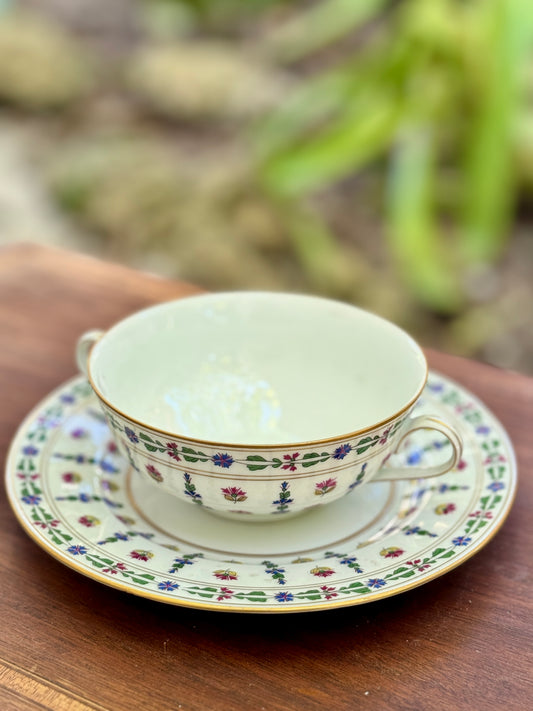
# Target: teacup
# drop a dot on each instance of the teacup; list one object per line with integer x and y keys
{"x": 260, "y": 405}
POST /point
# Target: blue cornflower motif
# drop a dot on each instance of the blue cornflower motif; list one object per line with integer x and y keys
{"x": 415, "y": 456}
{"x": 483, "y": 429}
{"x": 342, "y": 451}
{"x": 461, "y": 541}
{"x": 67, "y": 398}
{"x": 443, "y": 488}
{"x": 496, "y": 486}
{"x": 284, "y": 596}
{"x": 130, "y": 434}
{"x": 222, "y": 460}
{"x": 32, "y": 500}
{"x": 121, "y": 536}
{"x": 183, "y": 561}
{"x": 108, "y": 467}
{"x": 77, "y": 550}
{"x": 436, "y": 387}
{"x": 273, "y": 571}
{"x": 30, "y": 451}
{"x": 347, "y": 561}
{"x": 85, "y": 498}
{"x": 376, "y": 583}
{"x": 411, "y": 531}
{"x": 168, "y": 585}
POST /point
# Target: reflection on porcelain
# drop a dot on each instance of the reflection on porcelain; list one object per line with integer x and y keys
{"x": 88, "y": 507}
{"x": 258, "y": 404}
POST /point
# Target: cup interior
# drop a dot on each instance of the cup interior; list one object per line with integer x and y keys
{"x": 255, "y": 368}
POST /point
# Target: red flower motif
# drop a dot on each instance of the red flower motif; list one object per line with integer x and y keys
{"x": 172, "y": 451}
{"x": 225, "y": 594}
{"x": 322, "y": 572}
{"x": 115, "y": 569}
{"x": 225, "y": 574}
{"x": 385, "y": 436}
{"x": 481, "y": 514}
{"x": 141, "y": 555}
{"x": 154, "y": 473}
{"x": 234, "y": 494}
{"x": 328, "y": 592}
{"x": 392, "y": 552}
{"x": 416, "y": 564}
{"x": 88, "y": 521}
{"x": 462, "y": 465}
{"x": 445, "y": 509}
{"x": 324, "y": 487}
{"x": 290, "y": 459}
{"x": 111, "y": 447}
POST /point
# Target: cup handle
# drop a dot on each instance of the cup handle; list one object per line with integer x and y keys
{"x": 83, "y": 348}
{"x": 424, "y": 422}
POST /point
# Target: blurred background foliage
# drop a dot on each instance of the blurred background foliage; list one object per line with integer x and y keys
{"x": 378, "y": 151}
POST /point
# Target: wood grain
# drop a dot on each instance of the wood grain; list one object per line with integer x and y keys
{"x": 67, "y": 642}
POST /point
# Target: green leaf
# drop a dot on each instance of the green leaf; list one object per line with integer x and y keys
{"x": 314, "y": 27}
{"x": 150, "y": 447}
{"x": 255, "y": 458}
{"x": 413, "y": 235}
{"x": 353, "y": 141}
{"x": 314, "y": 458}
{"x": 145, "y": 437}
{"x": 437, "y": 552}
{"x": 256, "y": 467}
{"x": 507, "y": 32}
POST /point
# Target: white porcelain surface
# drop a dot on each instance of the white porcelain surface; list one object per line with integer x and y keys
{"x": 257, "y": 368}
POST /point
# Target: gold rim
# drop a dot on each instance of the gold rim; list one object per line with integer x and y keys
{"x": 229, "y": 445}
{"x": 371, "y": 597}
{"x": 275, "y": 446}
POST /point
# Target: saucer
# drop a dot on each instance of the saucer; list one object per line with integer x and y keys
{"x": 83, "y": 503}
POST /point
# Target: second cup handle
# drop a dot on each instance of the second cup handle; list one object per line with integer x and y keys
{"x": 424, "y": 422}
{"x": 83, "y": 348}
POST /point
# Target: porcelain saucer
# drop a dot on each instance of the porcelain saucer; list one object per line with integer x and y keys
{"x": 86, "y": 506}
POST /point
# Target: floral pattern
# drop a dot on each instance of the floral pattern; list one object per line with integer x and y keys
{"x": 325, "y": 487}
{"x": 234, "y": 494}
{"x": 67, "y": 513}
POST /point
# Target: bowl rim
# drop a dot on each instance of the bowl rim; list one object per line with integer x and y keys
{"x": 277, "y": 446}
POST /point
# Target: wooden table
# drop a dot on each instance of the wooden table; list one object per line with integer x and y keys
{"x": 67, "y": 642}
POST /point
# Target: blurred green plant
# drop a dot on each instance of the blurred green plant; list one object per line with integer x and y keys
{"x": 431, "y": 96}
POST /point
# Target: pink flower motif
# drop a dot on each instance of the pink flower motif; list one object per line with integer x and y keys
{"x": 152, "y": 471}
{"x": 225, "y": 574}
{"x": 71, "y": 478}
{"x": 43, "y": 524}
{"x": 481, "y": 514}
{"x": 462, "y": 465}
{"x": 78, "y": 433}
{"x": 234, "y": 494}
{"x": 328, "y": 592}
{"x": 417, "y": 564}
{"x": 290, "y": 461}
{"x": 172, "y": 451}
{"x": 225, "y": 594}
{"x": 115, "y": 569}
{"x": 88, "y": 521}
{"x": 112, "y": 447}
{"x": 324, "y": 487}
{"x": 443, "y": 509}
{"x": 322, "y": 571}
{"x": 392, "y": 552}
{"x": 385, "y": 436}
{"x": 141, "y": 555}
{"x": 21, "y": 475}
